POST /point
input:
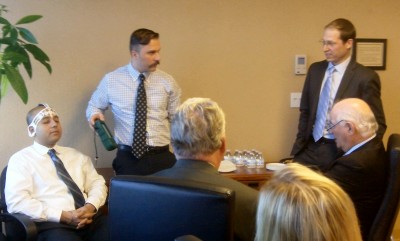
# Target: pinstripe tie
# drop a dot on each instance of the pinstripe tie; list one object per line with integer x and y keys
{"x": 66, "y": 178}
{"x": 139, "y": 135}
{"x": 323, "y": 105}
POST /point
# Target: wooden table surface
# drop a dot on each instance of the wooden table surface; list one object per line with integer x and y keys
{"x": 253, "y": 177}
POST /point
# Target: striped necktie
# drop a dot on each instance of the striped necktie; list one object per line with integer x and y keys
{"x": 139, "y": 135}
{"x": 66, "y": 178}
{"x": 323, "y": 105}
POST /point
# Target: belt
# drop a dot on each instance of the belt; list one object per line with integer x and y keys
{"x": 149, "y": 149}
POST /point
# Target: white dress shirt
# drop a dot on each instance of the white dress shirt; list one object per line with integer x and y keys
{"x": 34, "y": 188}
{"x": 118, "y": 89}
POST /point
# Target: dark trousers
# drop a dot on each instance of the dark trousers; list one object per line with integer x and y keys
{"x": 318, "y": 155}
{"x": 125, "y": 163}
{"x": 96, "y": 231}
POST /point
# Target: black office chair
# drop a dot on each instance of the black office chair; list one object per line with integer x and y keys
{"x": 18, "y": 227}
{"x": 383, "y": 224}
{"x": 160, "y": 209}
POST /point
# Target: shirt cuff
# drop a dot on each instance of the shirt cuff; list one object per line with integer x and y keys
{"x": 54, "y": 215}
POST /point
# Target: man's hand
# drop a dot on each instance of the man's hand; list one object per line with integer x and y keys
{"x": 79, "y": 217}
{"x": 94, "y": 117}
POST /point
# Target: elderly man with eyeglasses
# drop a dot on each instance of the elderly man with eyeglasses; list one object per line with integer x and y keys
{"x": 362, "y": 170}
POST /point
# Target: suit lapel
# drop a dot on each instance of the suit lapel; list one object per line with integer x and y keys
{"x": 346, "y": 80}
{"x": 319, "y": 76}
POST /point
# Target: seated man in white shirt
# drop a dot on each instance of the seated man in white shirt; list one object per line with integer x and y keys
{"x": 58, "y": 187}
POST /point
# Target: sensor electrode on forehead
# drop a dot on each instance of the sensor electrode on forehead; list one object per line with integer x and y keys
{"x": 46, "y": 112}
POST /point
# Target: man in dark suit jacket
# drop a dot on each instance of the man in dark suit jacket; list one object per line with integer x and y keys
{"x": 349, "y": 80}
{"x": 362, "y": 170}
{"x": 198, "y": 140}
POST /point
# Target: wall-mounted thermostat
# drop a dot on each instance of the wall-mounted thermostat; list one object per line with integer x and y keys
{"x": 300, "y": 64}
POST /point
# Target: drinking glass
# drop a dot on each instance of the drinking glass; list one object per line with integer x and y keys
{"x": 228, "y": 155}
{"x": 238, "y": 159}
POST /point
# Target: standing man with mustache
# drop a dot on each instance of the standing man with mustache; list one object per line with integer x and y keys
{"x": 124, "y": 90}
{"x": 336, "y": 78}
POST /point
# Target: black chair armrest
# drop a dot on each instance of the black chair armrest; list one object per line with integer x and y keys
{"x": 19, "y": 227}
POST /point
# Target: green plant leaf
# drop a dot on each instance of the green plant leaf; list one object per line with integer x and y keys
{"x": 16, "y": 49}
{"x": 4, "y": 21}
{"x": 23, "y": 55}
{"x": 37, "y": 52}
{"x": 14, "y": 56}
{"x": 8, "y": 41}
{"x": 27, "y": 35}
{"x": 17, "y": 57}
{"x": 28, "y": 67}
{"x": 39, "y": 56}
{"x": 10, "y": 33}
{"x": 17, "y": 82}
{"x": 48, "y": 66}
{"x": 14, "y": 35}
{"x": 6, "y": 30}
{"x": 4, "y": 83}
{"x": 29, "y": 19}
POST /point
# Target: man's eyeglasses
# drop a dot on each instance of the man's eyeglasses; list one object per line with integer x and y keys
{"x": 327, "y": 43}
{"x": 331, "y": 126}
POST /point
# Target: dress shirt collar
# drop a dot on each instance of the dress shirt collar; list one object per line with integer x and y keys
{"x": 44, "y": 149}
{"x": 341, "y": 68}
{"x": 359, "y": 145}
{"x": 134, "y": 73}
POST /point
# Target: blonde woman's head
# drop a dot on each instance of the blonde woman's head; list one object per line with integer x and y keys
{"x": 298, "y": 204}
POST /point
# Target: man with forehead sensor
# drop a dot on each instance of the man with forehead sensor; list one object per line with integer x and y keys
{"x": 337, "y": 77}
{"x": 57, "y": 187}
{"x": 362, "y": 170}
{"x": 142, "y": 99}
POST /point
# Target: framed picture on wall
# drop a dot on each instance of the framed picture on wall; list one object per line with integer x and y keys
{"x": 371, "y": 52}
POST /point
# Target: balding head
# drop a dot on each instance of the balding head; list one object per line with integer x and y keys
{"x": 357, "y": 122}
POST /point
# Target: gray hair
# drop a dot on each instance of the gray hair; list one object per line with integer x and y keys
{"x": 358, "y": 112}
{"x": 197, "y": 127}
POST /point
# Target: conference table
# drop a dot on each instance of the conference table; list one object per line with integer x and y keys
{"x": 253, "y": 177}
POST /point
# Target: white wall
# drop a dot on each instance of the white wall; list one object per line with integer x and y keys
{"x": 239, "y": 53}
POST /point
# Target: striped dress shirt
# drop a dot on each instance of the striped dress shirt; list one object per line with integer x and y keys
{"x": 118, "y": 90}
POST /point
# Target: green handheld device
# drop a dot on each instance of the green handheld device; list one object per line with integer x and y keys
{"x": 105, "y": 135}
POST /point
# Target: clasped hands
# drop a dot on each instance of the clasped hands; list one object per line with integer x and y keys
{"x": 79, "y": 217}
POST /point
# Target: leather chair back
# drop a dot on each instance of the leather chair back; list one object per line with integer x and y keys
{"x": 17, "y": 226}
{"x": 382, "y": 227}
{"x": 3, "y": 205}
{"x": 160, "y": 209}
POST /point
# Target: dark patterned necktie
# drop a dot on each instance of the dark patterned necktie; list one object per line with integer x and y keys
{"x": 66, "y": 178}
{"x": 139, "y": 134}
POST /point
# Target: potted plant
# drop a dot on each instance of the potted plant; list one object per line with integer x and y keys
{"x": 17, "y": 44}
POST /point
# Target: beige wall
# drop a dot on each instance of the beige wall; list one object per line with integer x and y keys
{"x": 239, "y": 53}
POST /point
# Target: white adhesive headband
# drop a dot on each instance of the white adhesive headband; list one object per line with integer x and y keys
{"x": 46, "y": 112}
